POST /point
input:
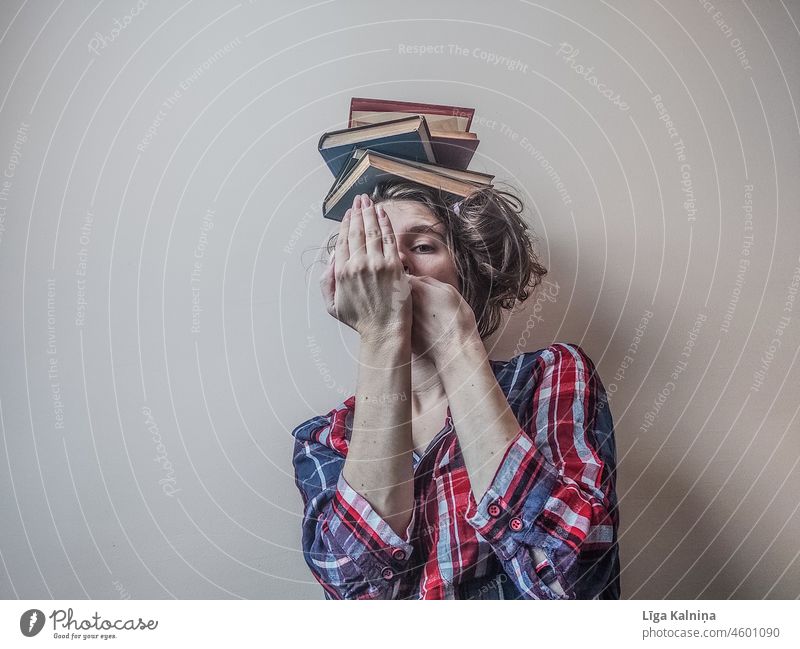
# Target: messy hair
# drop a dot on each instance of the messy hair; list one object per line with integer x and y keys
{"x": 489, "y": 242}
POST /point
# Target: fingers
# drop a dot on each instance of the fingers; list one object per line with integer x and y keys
{"x": 356, "y": 233}
{"x": 387, "y": 234}
{"x": 372, "y": 231}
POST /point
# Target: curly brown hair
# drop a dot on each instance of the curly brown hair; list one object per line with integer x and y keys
{"x": 489, "y": 241}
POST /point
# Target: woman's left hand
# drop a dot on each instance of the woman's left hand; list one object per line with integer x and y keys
{"x": 442, "y": 320}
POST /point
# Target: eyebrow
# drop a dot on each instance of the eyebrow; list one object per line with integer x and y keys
{"x": 425, "y": 229}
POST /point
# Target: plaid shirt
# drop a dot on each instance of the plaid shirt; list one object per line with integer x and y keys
{"x": 549, "y": 515}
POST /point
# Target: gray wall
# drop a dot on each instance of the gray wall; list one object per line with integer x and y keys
{"x": 162, "y": 329}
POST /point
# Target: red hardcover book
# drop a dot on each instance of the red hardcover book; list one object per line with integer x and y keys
{"x": 431, "y": 111}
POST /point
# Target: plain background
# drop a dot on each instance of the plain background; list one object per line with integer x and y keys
{"x": 146, "y": 445}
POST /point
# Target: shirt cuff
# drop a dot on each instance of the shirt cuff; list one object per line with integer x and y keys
{"x": 367, "y": 538}
{"x": 515, "y": 498}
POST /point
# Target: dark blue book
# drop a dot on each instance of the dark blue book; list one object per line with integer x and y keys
{"x": 407, "y": 138}
{"x": 372, "y": 167}
{"x": 454, "y": 172}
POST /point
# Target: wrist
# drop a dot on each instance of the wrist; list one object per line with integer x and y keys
{"x": 468, "y": 346}
{"x": 388, "y": 337}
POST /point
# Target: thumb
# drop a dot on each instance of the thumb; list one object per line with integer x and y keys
{"x": 327, "y": 285}
{"x": 416, "y": 282}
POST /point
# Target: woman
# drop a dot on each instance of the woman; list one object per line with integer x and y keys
{"x": 448, "y": 475}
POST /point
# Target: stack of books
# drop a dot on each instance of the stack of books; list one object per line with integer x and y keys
{"x": 429, "y": 144}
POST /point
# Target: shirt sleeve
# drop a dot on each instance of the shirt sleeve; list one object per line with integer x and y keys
{"x": 550, "y": 512}
{"x": 352, "y": 551}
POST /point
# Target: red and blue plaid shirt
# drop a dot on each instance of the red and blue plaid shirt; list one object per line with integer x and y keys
{"x": 549, "y": 516}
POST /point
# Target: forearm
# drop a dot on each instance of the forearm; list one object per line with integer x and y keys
{"x": 481, "y": 415}
{"x": 379, "y": 464}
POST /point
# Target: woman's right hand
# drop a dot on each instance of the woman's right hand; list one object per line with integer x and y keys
{"x": 365, "y": 285}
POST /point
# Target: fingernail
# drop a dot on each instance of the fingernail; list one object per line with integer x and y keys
{"x": 358, "y": 201}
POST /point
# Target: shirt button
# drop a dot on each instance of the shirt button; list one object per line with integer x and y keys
{"x": 515, "y": 523}
{"x": 387, "y": 573}
{"x": 494, "y": 510}
{"x": 398, "y": 554}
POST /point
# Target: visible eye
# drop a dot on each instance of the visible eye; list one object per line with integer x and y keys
{"x": 424, "y": 245}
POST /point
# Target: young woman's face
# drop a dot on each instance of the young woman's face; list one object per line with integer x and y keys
{"x": 422, "y": 253}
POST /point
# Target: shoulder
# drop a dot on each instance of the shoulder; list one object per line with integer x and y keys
{"x": 569, "y": 355}
{"x": 561, "y": 374}
{"x": 331, "y": 429}
{"x": 557, "y": 355}
{"x": 559, "y": 364}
